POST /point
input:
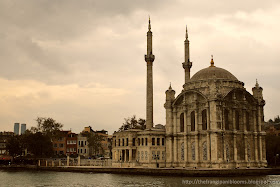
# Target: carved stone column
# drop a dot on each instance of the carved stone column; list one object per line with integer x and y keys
{"x": 234, "y": 148}
{"x": 260, "y": 148}
{"x": 256, "y": 146}
{"x": 175, "y": 150}
{"x": 246, "y": 147}
{"x": 130, "y": 155}
{"x": 196, "y": 137}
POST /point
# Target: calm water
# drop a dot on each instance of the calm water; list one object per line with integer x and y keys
{"x": 41, "y": 179}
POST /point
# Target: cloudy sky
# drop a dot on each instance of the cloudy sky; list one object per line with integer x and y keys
{"x": 82, "y": 62}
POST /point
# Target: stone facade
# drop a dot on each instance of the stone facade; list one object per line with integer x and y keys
{"x": 213, "y": 123}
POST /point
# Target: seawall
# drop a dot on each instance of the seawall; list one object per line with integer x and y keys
{"x": 155, "y": 171}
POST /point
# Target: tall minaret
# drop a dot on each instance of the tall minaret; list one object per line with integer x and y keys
{"x": 149, "y": 58}
{"x": 187, "y": 64}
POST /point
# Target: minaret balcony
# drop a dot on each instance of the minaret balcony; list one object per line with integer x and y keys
{"x": 149, "y": 58}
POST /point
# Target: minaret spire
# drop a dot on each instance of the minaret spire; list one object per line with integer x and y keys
{"x": 187, "y": 64}
{"x": 187, "y": 36}
{"x": 212, "y": 62}
{"x": 149, "y": 58}
{"x": 149, "y": 27}
{"x": 257, "y": 84}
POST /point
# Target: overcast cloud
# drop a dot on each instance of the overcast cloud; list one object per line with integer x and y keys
{"x": 82, "y": 62}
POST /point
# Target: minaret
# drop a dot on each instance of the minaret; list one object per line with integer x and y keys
{"x": 257, "y": 92}
{"x": 170, "y": 97}
{"x": 149, "y": 58}
{"x": 187, "y": 64}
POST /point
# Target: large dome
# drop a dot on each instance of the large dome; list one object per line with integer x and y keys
{"x": 213, "y": 72}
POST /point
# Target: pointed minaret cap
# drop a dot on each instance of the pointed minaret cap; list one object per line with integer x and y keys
{"x": 149, "y": 27}
{"x": 257, "y": 84}
{"x": 212, "y": 61}
{"x": 187, "y": 36}
{"x": 170, "y": 88}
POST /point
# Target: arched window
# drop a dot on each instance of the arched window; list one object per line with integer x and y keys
{"x": 193, "y": 121}
{"x": 226, "y": 119}
{"x": 237, "y": 120}
{"x": 193, "y": 150}
{"x": 204, "y": 150}
{"x": 247, "y": 121}
{"x": 248, "y": 151}
{"x": 204, "y": 119}
{"x": 182, "y": 152}
{"x": 227, "y": 152}
{"x": 182, "y": 122}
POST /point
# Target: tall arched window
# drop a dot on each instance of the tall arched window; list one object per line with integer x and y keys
{"x": 227, "y": 152}
{"x": 204, "y": 119}
{"x": 226, "y": 119}
{"x": 237, "y": 120}
{"x": 204, "y": 150}
{"x": 182, "y": 122}
{"x": 247, "y": 121}
{"x": 193, "y": 121}
{"x": 193, "y": 150}
{"x": 182, "y": 151}
{"x": 248, "y": 151}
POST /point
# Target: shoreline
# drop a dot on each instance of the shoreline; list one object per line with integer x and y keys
{"x": 183, "y": 172}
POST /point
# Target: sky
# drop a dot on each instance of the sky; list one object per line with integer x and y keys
{"x": 82, "y": 62}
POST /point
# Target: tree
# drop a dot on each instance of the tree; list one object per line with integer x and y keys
{"x": 272, "y": 149}
{"x": 277, "y": 119}
{"x": 38, "y": 144}
{"x": 14, "y": 146}
{"x": 94, "y": 143}
{"x": 38, "y": 140}
{"x": 133, "y": 123}
{"x": 47, "y": 126}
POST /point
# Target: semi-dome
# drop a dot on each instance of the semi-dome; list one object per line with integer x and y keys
{"x": 213, "y": 72}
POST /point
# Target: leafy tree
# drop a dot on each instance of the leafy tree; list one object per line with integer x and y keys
{"x": 133, "y": 123}
{"x": 14, "y": 146}
{"x": 37, "y": 140}
{"x": 142, "y": 123}
{"x": 47, "y": 126}
{"x": 272, "y": 149}
{"x": 94, "y": 143}
{"x": 38, "y": 144}
{"x": 277, "y": 119}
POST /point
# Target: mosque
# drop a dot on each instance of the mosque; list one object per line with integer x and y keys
{"x": 213, "y": 123}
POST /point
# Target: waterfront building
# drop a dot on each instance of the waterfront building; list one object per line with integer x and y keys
{"x": 59, "y": 143}
{"x": 83, "y": 149}
{"x": 105, "y": 149}
{"x": 4, "y": 136}
{"x": 214, "y": 122}
{"x": 16, "y": 128}
{"x": 71, "y": 143}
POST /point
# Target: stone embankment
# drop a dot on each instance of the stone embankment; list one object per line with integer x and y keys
{"x": 184, "y": 172}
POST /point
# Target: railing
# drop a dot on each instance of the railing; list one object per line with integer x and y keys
{"x": 56, "y": 162}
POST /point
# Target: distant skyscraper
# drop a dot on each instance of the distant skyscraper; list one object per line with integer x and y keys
{"x": 22, "y": 128}
{"x": 16, "y": 128}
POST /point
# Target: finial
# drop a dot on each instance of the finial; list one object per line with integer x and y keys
{"x": 257, "y": 84}
{"x": 170, "y": 88}
{"x": 149, "y": 27}
{"x": 187, "y": 32}
{"x": 212, "y": 61}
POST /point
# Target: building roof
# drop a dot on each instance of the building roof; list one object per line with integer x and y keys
{"x": 213, "y": 72}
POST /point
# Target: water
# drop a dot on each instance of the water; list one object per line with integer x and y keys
{"x": 69, "y": 179}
